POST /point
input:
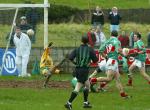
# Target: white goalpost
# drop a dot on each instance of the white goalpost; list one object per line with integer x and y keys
{"x": 45, "y": 5}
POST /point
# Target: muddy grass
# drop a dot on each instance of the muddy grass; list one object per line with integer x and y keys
{"x": 33, "y": 84}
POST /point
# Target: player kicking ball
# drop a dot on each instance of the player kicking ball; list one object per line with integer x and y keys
{"x": 140, "y": 58}
{"x": 113, "y": 48}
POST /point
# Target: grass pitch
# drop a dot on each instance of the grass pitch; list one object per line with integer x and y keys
{"x": 69, "y": 35}
{"x": 54, "y": 99}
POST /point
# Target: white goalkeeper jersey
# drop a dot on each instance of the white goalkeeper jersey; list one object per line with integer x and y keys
{"x": 23, "y": 45}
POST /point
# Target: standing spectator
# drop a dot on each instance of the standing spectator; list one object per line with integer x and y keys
{"x": 114, "y": 18}
{"x": 23, "y": 47}
{"x": 98, "y": 17}
{"x": 24, "y": 26}
{"x": 100, "y": 37}
{"x": 91, "y": 37}
{"x": 11, "y": 42}
{"x": 131, "y": 37}
{"x": 32, "y": 19}
{"x": 124, "y": 39}
{"x": 148, "y": 40}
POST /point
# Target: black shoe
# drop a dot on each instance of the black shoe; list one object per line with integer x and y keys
{"x": 68, "y": 106}
{"x": 87, "y": 105}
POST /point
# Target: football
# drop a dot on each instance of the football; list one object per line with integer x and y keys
{"x": 125, "y": 51}
{"x": 30, "y": 32}
{"x": 57, "y": 71}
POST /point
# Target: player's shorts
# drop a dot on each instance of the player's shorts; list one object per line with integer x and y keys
{"x": 112, "y": 65}
{"x": 102, "y": 65}
{"x": 81, "y": 74}
{"x": 138, "y": 63}
{"x": 44, "y": 70}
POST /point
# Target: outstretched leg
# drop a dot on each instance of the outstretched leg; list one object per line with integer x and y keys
{"x": 144, "y": 74}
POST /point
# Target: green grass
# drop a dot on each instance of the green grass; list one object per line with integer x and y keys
{"x": 68, "y": 35}
{"x": 20, "y": 1}
{"x": 84, "y": 4}
{"x": 50, "y": 99}
{"x": 122, "y": 4}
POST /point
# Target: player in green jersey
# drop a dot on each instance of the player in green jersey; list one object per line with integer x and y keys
{"x": 111, "y": 50}
{"x": 140, "y": 59}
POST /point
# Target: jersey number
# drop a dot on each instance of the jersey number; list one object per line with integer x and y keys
{"x": 109, "y": 48}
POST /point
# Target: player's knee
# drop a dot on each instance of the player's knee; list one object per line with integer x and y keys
{"x": 130, "y": 69}
{"x": 77, "y": 89}
{"x": 109, "y": 79}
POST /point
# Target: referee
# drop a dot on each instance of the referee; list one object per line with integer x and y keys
{"x": 81, "y": 57}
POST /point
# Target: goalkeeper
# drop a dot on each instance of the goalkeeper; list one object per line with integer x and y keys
{"x": 46, "y": 63}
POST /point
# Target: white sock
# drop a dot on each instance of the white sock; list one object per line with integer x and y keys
{"x": 69, "y": 103}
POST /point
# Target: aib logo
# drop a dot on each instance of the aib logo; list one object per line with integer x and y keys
{"x": 9, "y": 64}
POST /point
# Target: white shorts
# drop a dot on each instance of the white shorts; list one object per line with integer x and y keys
{"x": 102, "y": 65}
{"x": 112, "y": 65}
{"x": 138, "y": 63}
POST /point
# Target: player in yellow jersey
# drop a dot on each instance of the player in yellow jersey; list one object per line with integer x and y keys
{"x": 46, "y": 64}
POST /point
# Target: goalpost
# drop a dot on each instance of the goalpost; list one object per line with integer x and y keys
{"x": 46, "y": 5}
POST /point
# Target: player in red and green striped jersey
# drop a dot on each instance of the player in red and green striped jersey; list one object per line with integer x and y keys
{"x": 113, "y": 47}
{"x": 140, "y": 58}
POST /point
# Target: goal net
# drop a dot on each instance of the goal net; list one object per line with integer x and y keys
{"x": 27, "y": 17}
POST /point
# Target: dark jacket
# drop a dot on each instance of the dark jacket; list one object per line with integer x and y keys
{"x": 114, "y": 20}
{"x": 148, "y": 40}
{"x": 25, "y": 27}
{"x": 97, "y": 17}
{"x": 83, "y": 56}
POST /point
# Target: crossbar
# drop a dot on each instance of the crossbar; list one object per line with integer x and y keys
{"x": 24, "y": 5}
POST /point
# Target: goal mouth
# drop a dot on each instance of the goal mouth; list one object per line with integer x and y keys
{"x": 28, "y": 17}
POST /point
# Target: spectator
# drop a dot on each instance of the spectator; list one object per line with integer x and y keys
{"x": 32, "y": 19}
{"x": 24, "y": 26}
{"x": 114, "y": 18}
{"x": 100, "y": 37}
{"x": 23, "y": 47}
{"x": 11, "y": 39}
{"x": 91, "y": 37}
{"x": 148, "y": 40}
{"x": 131, "y": 37}
{"x": 97, "y": 17}
{"x": 124, "y": 39}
